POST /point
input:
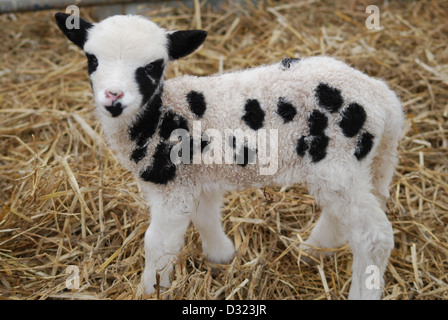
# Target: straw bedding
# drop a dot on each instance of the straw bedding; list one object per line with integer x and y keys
{"x": 65, "y": 201}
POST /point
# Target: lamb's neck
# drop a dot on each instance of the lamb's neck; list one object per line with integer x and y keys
{"x": 130, "y": 136}
{"x": 116, "y": 134}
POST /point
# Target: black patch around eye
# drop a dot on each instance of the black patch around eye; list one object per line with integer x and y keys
{"x": 162, "y": 170}
{"x": 328, "y": 97}
{"x": 146, "y": 123}
{"x": 286, "y": 110}
{"x": 287, "y": 62}
{"x": 318, "y": 147}
{"x": 92, "y": 63}
{"x": 171, "y": 122}
{"x": 254, "y": 115}
{"x": 196, "y": 102}
{"x": 302, "y": 146}
{"x": 155, "y": 69}
{"x": 353, "y": 118}
{"x": 148, "y": 81}
{"x": 317, "y": 122}
{"x": 364, "y": 145}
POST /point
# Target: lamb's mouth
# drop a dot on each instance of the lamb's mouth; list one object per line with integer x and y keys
{"x": 115, "y": 109}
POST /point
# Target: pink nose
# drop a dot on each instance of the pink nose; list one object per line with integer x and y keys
{"x": 114, "y": 95}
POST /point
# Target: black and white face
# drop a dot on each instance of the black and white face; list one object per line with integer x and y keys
{"x": 126, "y": 57}
{"x": 126, "y": 63}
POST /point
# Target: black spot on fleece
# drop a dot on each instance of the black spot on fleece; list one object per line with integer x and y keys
{"x": 254, "y": 115}
{"x": 162, "y": 170}
{"x": 353, "y": 118}
{"x": 329, "y": 98}
{"x": 196, "y": 102}
{"x": 286, "y": 110}
{"x": 317, "y": 142}
{"x": 364, "y": 145}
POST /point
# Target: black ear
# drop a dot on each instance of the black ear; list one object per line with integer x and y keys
{"x": 182, "y": 43}
{"x": 76, "y": 33}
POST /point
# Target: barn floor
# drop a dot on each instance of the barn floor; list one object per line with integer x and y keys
{"x": 66, "y": 201}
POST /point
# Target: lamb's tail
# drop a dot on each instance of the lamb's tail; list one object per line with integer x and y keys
{"x": 386, "y": 159}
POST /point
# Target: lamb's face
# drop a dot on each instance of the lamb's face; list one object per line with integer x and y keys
{"x": 126, "y": 62}
{"x": 126, "y": 57}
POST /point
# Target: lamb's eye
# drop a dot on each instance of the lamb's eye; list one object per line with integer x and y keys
{"x": 149, "y": 67}
{"x": 153, "y": 70}
{"x": 92, "y": 63}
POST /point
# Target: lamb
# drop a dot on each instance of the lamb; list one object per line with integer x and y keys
{"x": 330, "y": 127}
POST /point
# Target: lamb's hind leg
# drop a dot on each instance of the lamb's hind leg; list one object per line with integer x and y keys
{"x": 366, "y": 228}
{"x": 217, "y": 247}
{"x": 350, "y": 206}
{"x": 370, "y": 237}
{"x": 326, "y": 235}
{"x": 383, "y": 167}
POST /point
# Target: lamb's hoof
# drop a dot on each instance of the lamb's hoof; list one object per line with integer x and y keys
{"x": 152, "y": 280}
{"x": 310, "y": 255}
{"x": 222, "y": 253}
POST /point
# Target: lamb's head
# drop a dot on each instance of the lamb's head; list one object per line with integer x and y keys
{"x": 126, "y": 57}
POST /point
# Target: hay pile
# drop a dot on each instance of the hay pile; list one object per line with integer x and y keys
{"x": 66, "y": 201}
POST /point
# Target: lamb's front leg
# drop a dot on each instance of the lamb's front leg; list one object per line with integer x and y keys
{"x": 216, "y": 246}
{"x": 163, "y": 241}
